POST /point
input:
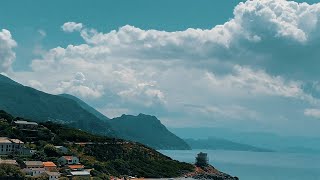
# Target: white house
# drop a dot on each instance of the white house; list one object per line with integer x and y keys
{"x": 9, "y": 162}
{"x": 80, "y": 173}
{"x": 68, "y": 160}
{"x": 9, "y": 146}
{"x": 26, "y": 125}
{"x": 34, "y": 171}
{"x": 33, "y": 164}
{"x": 53, "y": 175}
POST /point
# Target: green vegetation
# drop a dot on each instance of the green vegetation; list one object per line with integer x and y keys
{"x": 10, "y": 171}
{"x": 108, "y": 156}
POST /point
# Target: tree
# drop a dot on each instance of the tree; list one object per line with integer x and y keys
{"x": 7, "y": 170}
{"x": 51, "y": 151}
{"x": 6, "y": 116}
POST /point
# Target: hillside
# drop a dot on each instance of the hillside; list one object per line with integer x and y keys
{"x": 86, "y": 107}
{"x": 148, "y": 130}
{"x": 29, "y": 103}
{"x": 108, "y": 156}
{"x": 222, "y": 144}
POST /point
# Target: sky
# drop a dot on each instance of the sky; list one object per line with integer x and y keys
{"x": 243, "y": 65}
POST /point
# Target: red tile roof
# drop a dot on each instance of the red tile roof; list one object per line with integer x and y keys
{"x": 49, "y": 164}
{"x": 76, "y": 166}
{"x": 67, "y": 157}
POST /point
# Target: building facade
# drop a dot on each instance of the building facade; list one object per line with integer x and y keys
{"x": 10, "y": 146}
{"x": 26, "y": 125}
{"x": 67, "y": 160}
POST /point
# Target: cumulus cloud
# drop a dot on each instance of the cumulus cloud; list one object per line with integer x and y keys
{"x": 36, "y": 84}
{"x": 7, "y": 55}
{"x": 77, "y": 87}
{"x": 258, "y": 82}
{"x": 253, "y": 22}
{"x": 71, "y": 27}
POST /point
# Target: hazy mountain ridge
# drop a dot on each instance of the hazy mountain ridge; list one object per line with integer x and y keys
{"x": 265, "y": 140}
{"x": 214, "y": 143}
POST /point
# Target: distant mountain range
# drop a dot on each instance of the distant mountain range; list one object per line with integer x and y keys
{"x": 264, "y": 140}
{"x": 30, "y": 103}
{"x": 214, "y": 143}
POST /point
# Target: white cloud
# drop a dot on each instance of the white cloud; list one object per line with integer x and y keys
{"x": 259, "y": 83}
{"x": 36, "y": 84}
{"x": 71, "y": 27}
{"x": 76, "y": 86}
{"x": 7, "y": 55}
{"x": 315, "y": 113}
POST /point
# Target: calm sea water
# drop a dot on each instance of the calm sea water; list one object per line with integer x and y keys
{"x": 258, "y": 165}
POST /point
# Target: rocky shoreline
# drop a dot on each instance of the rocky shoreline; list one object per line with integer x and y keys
{"x": 209, "y": 172}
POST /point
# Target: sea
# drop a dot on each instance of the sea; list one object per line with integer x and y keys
{"x": 257, "y": 165}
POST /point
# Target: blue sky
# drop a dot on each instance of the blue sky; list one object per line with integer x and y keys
{"x": 250, "y": 65}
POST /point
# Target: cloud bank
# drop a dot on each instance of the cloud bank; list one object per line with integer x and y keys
{"x": 7, "y": 55}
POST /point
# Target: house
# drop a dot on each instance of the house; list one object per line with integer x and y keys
{"x": 62, "y": 149}
{"x": 26, "y": 125}
{"x": 76, "y": 167}
{"x": 49, "y": 166}
{"x": 9, "y": 162}
{"x": 33, "y": 171}
{"x": 82, "y": 174}
{"x": 32, "y": 164}
{"x": 68, "y": 160}
{"x": 9, "y": 146}
{"x": 52, "y": 175}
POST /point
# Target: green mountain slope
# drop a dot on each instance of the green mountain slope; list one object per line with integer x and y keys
{"x": 147, "y": 130}
{"x": 30, "y": 103}
{"x": 86, "y": 107}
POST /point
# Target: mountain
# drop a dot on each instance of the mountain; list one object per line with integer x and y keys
{"x": 214, "y": 143}
{"x": 147, "y": 130}
{"x": 86, "y": 107}
{"x": 30, "y": 103}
